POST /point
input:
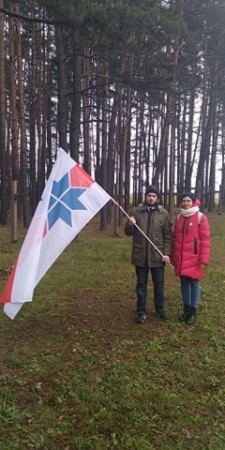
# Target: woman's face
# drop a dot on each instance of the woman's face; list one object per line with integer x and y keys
{"x": 186, "y": 203}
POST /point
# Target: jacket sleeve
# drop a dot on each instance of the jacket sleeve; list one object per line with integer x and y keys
{"x": 128, "y": 227}
{"x": 167, "y": 236}
{"x": 204, "y": 236}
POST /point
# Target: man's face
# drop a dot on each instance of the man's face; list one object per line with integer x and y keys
{"x": 151, "y": 199}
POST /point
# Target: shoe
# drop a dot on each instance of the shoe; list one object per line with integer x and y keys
{"x": 162, "y": 314}
{"x": 141, "y": 319}
{"x": 185, "y": 314}
{"x": 191, "y": 317}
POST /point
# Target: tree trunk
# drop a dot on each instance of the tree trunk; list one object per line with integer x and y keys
{"x": 32, "y": 127}
{"x": 22, "y": 125}
{"x": 13, "y": 97}
{"x": 104, "y": 219}
{"x": 190, "y": 130}
{"x": 3, "y": 190}
{"x": 62, "y": 88}
{"x": 215, "y": 129}
{"x": 76, "y": 107}
{"x": 86, "y": 112}
{"x": 205, "y": 132}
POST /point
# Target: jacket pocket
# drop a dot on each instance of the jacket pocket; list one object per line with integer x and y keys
{"x": 195, "y": 246}
{"x": 138, "y": 253}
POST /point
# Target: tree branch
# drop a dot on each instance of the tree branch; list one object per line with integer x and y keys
{"x": 32, "y": 19}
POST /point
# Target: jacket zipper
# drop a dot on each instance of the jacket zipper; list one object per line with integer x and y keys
{"x": 184, "y": 231}
{"x": 148, "y": 229}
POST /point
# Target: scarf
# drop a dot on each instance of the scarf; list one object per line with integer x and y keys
{"x": 151, "y": 208}
{"x": 189, "y": 212}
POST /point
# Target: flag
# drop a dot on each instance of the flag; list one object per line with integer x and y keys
{"x": 69, "y": 201}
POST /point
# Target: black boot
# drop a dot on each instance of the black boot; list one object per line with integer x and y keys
{"x": 191, "y": 317}
{"x": 185, "y": 314}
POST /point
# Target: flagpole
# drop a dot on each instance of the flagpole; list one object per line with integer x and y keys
{"x": 139, "y": 229}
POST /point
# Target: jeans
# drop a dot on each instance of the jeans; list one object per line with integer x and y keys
{"x": 157, "y": 274}
{"x": 191, "y": 290}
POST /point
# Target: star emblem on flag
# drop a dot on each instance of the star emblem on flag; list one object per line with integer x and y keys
{"x": 63, "y": 200}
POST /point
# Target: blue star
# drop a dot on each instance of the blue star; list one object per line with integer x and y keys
{"x": 63, "y": 199}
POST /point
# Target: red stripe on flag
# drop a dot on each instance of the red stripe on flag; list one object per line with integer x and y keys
{"x": 79, "y": 178}
{"x": 45, "y": 230}
{"x": 6, "y": 296}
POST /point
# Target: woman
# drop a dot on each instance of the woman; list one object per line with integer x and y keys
{"x": 190, "y": 253}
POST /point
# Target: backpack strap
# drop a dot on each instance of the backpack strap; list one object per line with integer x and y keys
{"x": 200, "y": 214}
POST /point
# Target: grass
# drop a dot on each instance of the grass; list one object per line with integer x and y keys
{"x": 77, "y": 373}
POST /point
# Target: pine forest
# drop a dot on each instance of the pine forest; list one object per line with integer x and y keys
{"x": 133, "y": 90}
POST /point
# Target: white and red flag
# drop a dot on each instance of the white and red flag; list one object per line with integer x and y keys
{"x": 69, "y": 201}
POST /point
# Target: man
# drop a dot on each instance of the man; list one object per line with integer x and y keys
{"x": 155, "y": 222}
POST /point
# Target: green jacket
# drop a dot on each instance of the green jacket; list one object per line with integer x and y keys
{"x": 158, "y": 228}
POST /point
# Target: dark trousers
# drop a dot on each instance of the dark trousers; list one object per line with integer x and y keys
{"x": 157, "y": 274}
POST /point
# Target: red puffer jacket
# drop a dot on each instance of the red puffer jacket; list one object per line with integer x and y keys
{"x": 191, "y": 245}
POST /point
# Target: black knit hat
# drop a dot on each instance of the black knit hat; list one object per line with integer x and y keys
{"x": 153, "y": 190}
{"x": 192, "y": 196}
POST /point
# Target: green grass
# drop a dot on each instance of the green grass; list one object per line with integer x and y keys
{"x": 77, "y": 373}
